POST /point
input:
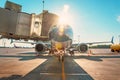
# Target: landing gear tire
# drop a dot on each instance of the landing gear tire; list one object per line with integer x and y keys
{"x": 118, "y": 51}
{"x": 112, "y": 50}
{"x": 71, "y": 53}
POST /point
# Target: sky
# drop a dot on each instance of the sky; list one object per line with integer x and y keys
{"x": 91, "y": 20}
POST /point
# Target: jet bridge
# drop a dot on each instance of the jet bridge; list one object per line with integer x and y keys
{"x": 21, "y": 25}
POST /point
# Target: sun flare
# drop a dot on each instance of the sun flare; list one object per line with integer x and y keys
{"x": 64, "y": 17}
{"x": 63, "y": 20}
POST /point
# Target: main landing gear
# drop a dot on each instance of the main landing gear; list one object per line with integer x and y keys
{"x": 71, "y": 53}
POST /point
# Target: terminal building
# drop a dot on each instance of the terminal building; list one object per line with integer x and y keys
{"x": 20, "y": 25}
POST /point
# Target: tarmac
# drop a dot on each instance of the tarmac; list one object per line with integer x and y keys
{"x": 23, "y": 64}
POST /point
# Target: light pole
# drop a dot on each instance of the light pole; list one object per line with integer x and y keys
{"x": 78, "y": 39}
{"x": 43, "y": 4}
{"x": 4, "y": 42}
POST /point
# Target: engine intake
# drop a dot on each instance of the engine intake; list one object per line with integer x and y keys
{"x": 83, "y": 47}
{"x": 39, "y": 47}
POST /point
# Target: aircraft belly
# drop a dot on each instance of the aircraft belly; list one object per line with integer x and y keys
{"x": 61, "y": 45}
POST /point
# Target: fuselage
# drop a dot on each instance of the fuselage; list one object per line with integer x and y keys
{"x": 61, "y": 36}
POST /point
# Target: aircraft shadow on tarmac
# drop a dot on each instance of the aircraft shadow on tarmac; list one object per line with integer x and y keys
{"x": 95, "y": 58}
{"x": 25, "y": 56}
{"x": 52, "y": 69}
{"x": 13, "y": 77}
{"x": 32, "y": 55}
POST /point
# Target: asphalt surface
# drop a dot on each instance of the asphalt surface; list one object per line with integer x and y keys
{"x": 22, "y": 64}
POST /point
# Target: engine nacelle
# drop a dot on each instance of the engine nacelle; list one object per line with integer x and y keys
{"x": 82, "y": 47}
{"x": 39, "y": 47}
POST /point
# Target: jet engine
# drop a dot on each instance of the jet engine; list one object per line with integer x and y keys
{"x": 39, "y": 47}
{"x": 82, "y": 47}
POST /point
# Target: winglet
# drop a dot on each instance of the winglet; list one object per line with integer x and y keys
{"x": 112, "y": 40}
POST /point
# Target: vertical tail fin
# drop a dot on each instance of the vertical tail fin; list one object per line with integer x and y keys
{"x": 112, "y": 40}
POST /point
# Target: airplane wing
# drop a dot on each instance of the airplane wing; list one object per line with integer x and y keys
{"x": 83, "y": 47}
{"x": 90, "y": 43}
{"x": 39, "y": 46}
{"x": 101, "y": 42}
{"x": 26, "y": 42}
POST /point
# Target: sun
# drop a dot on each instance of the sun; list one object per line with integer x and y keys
{"x": 64, "y": 17}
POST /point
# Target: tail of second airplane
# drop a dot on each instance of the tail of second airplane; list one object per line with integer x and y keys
{"x": 112, "y": 40}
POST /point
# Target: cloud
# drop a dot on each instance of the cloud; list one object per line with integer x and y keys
{"x": 118, "y": 19}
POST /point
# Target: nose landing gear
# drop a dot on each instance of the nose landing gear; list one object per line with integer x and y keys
{"x": 61, "y": 58}
{"x": 61, "y": 55}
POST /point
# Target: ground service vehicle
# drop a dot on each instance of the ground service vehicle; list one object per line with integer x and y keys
{"x": 115, "y": 47}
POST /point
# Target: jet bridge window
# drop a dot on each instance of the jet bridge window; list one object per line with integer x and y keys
{"x": 37, "y": 24}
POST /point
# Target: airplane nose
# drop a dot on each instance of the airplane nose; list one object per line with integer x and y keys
{"x": 61, "y": 33}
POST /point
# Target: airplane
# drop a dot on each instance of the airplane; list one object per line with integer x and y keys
{"x": 61, "y": 38}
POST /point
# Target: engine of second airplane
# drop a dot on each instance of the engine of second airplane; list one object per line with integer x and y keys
{"x": 82, "y": 47}
{"x": 39, "y": 47}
